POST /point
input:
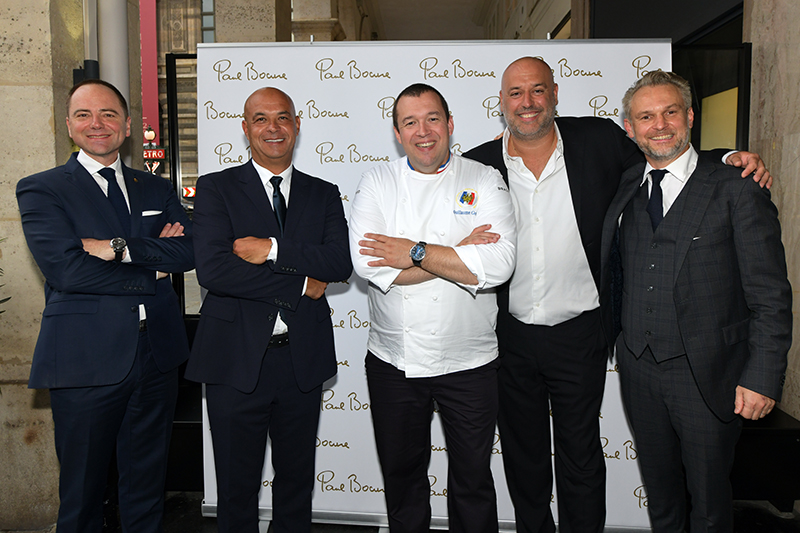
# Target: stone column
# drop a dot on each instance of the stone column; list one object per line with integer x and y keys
{"x": 350, "y": 20}
{"x": 773, "y": 26}
{"x": 244, "y": 21}
{"x": 581, "y": 21}
{"x": 43, "y": 42}
{"x": 319, "y": 18}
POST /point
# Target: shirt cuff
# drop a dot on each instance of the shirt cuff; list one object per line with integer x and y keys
{"x": 273, "y": 252}
{"x": 469, "y": 256}
{"x": 726, "y": 156}
{"x": 384, "y": 278}
{"x": 305, "y": 285}
{"x": 126, "y": 258}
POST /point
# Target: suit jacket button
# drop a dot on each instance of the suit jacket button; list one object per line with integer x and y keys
{"x": 134, "y": 308}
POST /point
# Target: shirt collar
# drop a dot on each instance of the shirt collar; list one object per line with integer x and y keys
{"x": 507, "y": 135}
{"x": 266, "y": 175}
{"x": 681, "y": 168}
{"x": 93, "y": 167}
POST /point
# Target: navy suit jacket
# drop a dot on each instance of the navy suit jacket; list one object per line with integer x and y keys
{"x": 731, "y": 293}
{"x": 89, "y": 330}
{"x": 596, "y": 153}
{"x": 243, "y": 300}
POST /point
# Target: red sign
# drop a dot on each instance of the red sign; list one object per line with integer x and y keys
{"x": 158, "y": 153}
{"x": 189, "y": 192}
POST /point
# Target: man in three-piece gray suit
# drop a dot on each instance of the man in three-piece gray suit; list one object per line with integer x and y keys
{"x": 706, "y": 308}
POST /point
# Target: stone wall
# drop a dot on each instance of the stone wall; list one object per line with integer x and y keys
{"x": 773, "y": 26}
{"x": 37, "y": 54}
{"x": 41, "y": 45}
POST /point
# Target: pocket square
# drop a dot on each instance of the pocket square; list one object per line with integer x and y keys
{"x": 695, "y": 238}
{"x": 150, "y": 213}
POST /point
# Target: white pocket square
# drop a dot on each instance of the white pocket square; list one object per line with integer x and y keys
{"x": 150, "y": 213}
{"x": 695, "y": 238}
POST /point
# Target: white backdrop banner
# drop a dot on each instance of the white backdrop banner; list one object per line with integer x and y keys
{"x": 344, "y": 93}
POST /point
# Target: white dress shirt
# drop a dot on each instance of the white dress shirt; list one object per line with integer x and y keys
{"x": 436, "y": 327}
{"x": 552, "y": 282}
{"x": 678, "y": 173}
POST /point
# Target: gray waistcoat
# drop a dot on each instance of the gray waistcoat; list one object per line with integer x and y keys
{"x": 648, "y": 261}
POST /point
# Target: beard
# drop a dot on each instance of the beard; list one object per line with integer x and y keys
{"x": 534, "y": 131}
{"x": 667, "y": 153}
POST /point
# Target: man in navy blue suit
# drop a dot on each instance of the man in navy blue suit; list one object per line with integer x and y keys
{"x": 269, "y": 239}
{"x": 112, "y": 333}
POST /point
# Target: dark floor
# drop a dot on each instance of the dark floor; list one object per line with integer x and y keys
{"x": 183, "y": 515}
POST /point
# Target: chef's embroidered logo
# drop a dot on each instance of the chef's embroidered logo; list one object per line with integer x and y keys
{"x": 468, "y": 198}
{"x": 467, "y": 201}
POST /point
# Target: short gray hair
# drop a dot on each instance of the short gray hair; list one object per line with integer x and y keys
{"x": 654, "y": 78}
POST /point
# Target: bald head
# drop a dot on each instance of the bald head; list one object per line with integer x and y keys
{"x": 527, "y": 65}
{"x": 528, "y": 98}
{"x": 269, "y": 93}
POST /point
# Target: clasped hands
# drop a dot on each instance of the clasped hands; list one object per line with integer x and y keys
{"x": 101, "y": 248}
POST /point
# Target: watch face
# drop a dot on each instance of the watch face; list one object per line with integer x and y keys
{"x": 118, "y": 244}
{"x": 418, "y": 252}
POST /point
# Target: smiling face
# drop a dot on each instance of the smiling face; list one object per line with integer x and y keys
{"x": 424, "y": 131}
{"x": 660, "y": 123}
{"x": 271, "y": 126}
{"x": 528, "y": 99}
{"x": 97, "y": 122}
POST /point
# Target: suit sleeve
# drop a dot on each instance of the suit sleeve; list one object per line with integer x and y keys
{"x": 59, "y": 252}
{"x": 328, "y": 260}
{"x": 173, "y": 254}
{"x": 762, "y": 264}
{"x": 629, "y": 153}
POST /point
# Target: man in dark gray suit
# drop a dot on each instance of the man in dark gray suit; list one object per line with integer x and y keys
{"x": 706, "y": 308}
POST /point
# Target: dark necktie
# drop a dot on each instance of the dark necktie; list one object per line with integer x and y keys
{"x": 278, "y": 201}
{"x": 117, "y": 199}
{"x": 655, "y": 207}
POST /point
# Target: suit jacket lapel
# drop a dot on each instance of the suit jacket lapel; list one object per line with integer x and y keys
{"x": 255, "y": 191}
{"x": 696, "y": 196}
{"x": 574, "y": 157}
{"x": 78, "y": 175}
{"x": 134, "y": 189}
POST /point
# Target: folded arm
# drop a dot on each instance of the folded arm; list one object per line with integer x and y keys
{"x": 49, "y": 228}
{"x": 482, "y": 259}
{"x": 236, "y": 266}
{"x": 172, "y": 250}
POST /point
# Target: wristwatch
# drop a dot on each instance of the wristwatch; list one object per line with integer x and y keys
{"x": 118, "y": 244}
{"x": 417, "y": 253}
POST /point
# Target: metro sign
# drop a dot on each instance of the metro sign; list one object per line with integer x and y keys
{"x": 158, "y": 153}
